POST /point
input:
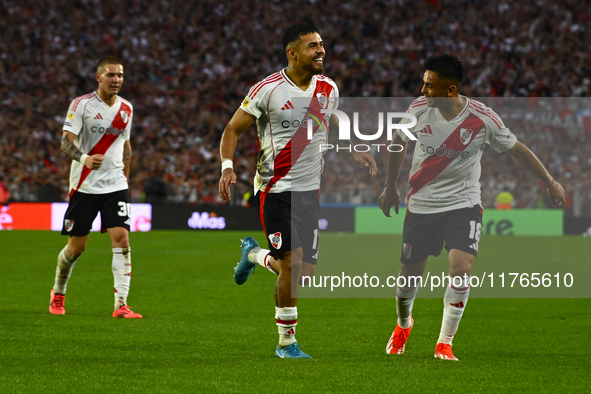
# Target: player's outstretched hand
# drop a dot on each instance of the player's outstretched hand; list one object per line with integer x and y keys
{"x": 94, "y": 162}
{"x": 389, "y": 198}
{"x": 367, "y": 160}
{"x": 228, "y": 178}
{"x": 556, "y": 195}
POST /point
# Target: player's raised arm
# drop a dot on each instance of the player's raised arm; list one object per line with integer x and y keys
{"x": 93, "y": 162}
{"x": 530, "y": 161}
{"x": 390, "y": 196}
{"x": 236, "y": 126}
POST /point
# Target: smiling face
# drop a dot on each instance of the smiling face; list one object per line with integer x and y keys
{"x": 308, "y": 54}
{"x": 110, "y": 79}
{"x": 435, "y": 87}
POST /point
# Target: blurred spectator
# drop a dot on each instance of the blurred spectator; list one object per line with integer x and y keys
{"x": 156, "y": 190}
{"x": 504, "y": 200}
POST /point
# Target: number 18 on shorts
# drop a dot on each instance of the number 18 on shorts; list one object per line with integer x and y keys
{"x": 425, "y": 234}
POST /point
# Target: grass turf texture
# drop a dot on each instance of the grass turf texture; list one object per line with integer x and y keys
{"x": 203, "y": 333}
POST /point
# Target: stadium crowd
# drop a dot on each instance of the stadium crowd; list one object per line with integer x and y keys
{"x": 188, "y": 65}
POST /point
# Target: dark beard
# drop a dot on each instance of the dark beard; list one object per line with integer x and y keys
{"x": 313, "y": 70}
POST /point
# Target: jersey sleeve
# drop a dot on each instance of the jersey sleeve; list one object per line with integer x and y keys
{"x": 127, "y": 133}
{"x": 254, "y": 103}
{"x": 74, "y": 119}
{"x": 414, "y": 108}
{"x": 335, "y": 96}
{"x": 498, "y": 136}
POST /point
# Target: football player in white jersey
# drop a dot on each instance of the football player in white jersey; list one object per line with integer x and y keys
{"x": 288, "y": 173}
{"x": 444, "y": 202}
{"x": 96, "y": 137}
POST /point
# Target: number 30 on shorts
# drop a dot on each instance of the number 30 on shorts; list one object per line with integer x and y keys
{"x": 125, "y": 209}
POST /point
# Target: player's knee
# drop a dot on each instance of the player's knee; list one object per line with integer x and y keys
{"x": 296, "y": 265}
{"x": 120, "y": 239}
{"x": 461, "y": 266}
{"x": 76, "y": 249}
{"x": 418, "y": 269}
{"x": 291, "y": 264}
{"x": 124, "y": 243}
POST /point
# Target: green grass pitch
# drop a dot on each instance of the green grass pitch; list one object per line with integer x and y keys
{"x": 203, "y": 333}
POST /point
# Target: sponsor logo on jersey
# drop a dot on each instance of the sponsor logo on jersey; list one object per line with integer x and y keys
{"x": 70, "y": 115}
{"x": 322, "y": 99}
{"x": 107, "y": 130}
{"x": 99, "y": 116}
{"x": 124, "y": 116}
{"x": 443, "y": 151}
{"x": 406, "y": 250}
{"x": 466, "y": 135}
{"x": 304, "y": 122}
{"x": 287, "y": 106}
{"x": 68, "y": 224}
{"x": 246, "y": 102}
{"x": 276, "y": 240}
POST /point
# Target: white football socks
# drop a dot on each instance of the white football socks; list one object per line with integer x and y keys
{"x": 261, "y": 257}
{"x": 122, "y": 275}
{"x": 65, "y": 265}
{"x": 287, "y": 319}
{"x": 454, "y": 303}
{"x": 405, "y": 298}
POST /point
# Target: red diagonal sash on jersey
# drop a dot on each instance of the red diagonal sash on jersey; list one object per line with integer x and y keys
{"x": 106, "y": 140}
{"x": 435, "y": 164}
{"x": 299, "y": 141}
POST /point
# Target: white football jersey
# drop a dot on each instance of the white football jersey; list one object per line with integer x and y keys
{"x": 288, "y": 161}
{"x": 100, "y": 129}
{"x": 445, "y": 170}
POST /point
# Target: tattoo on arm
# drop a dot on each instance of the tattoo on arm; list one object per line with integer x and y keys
{"x": 126, "y": 159}
{"x": 126, "y": 154}
{"x": 69, "y": 148}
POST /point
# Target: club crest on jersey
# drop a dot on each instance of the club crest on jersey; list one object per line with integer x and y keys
{"x": 406, "y": 250}
{"x": 466, "y": 135}
{"x": 68, "y": 224}
{"x": 322, "y": 100}
{"x": 124, "y": 116}
{"x": 276, "y": 240}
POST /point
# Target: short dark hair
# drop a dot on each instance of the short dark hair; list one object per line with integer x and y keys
{"x": 108, "y": 60}
{"x": 296, "y": 32}
{"x": 447, "y": 66}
